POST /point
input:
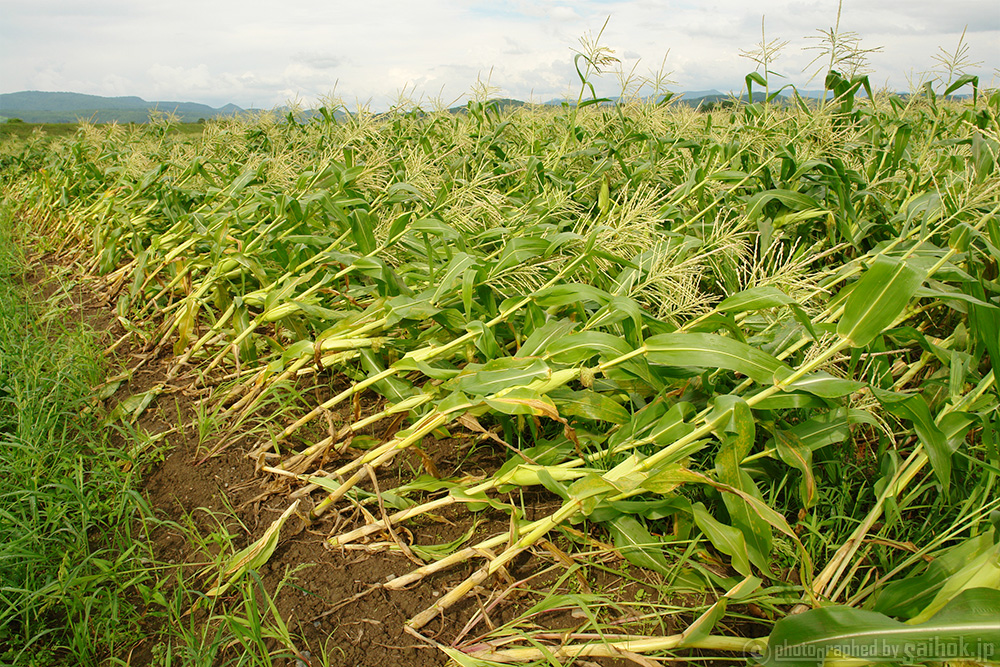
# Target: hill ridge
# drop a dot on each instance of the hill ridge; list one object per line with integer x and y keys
{"x": 35, "y": 106}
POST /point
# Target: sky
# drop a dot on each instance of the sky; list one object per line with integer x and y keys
{"x": 380, "y": 53}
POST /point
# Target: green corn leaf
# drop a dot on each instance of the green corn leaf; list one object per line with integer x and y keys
{"x": 731, "y": 414}
{"x": 618, "y": 309}
{"x": 402, "y": 192}
{"x": 935, "y": 442}
{"x": 544, "y": 336}
{"x": 665, "y": 478}
{"x": 430, "y": 552}
{"x": 589, "y": 490}
{"x": 588, "y": 405}
{"x": 524, "y": 401}
{"x": 132, "y": 407}
{"x": 822, "y": 430}
{"x": 983, "y": 571}
{"x": 516, "y": 252}
{"x": 434, "y": 227}
{"x": 877, "y": 298}
{"x": 712, "y": 351}
{"x": 905, "y": 598}
{"x": 578, "y": 348}
{"x": 802, "y": 317}
{"x": 641, "y": 423}
{"x": 727, "y": 539}
{"x": 248, "y": 176}
{"x": 790, "y": 198}
{"x": 454, "y": 402}
{"x": 314, "y": 311}
{"x": 672, "y": 426}
{"x": 451, "y": 319}
{"x": 755, "y": 298}
{"x": 765, "y": 511}
{"x": 626, "y": 476}
{"x": 635, "y": 375}
{"x": 486, "y": 341}
{"x": 754, "y": 77}
{"x": 254, "y": 556}
{"x": 409, "y": 308}
{"x": 796, "y": 454}
{"x": 729, "y": 176}
{"x": 363, "y": 231}
{"x": 469, "y": 278}
{"x": 513, "y": 373}
{"x": 186, "y": 325}
{"x": 545, "y": 453}
{"x": 945, "y": 294}
{"x": 637, "y": 545}
{"x": 705, "y": 623}
{"x": 477, "y": 502}
{"x": 985, "y": 323}
{"x": 965, "y": 80}
{"x": 967, "y": 628}
{"x": 727, "y": 463}
{"x": 652, "y": 510}
{"x": 398, "y": 226}
{"x": 451, "y": 275}
{"x": 392, "y": 388}
{"x": 562, "y": 295}
{"x": 794, "y": 401}
{"x": 825, "y": 385}
{"x": 717, "y": 322}
{"x": 604, "y": 197}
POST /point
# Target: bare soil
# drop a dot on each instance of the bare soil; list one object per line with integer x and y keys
{"x": 335, "y": 602}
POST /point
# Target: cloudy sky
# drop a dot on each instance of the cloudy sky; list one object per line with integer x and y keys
{"x": 374, "y": 52}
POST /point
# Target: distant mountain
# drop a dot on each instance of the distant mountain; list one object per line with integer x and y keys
{"x": 501, "y": 103}
{"x": 34, "y": 106}
{"x": 692, "y": 98}
{"x": 713, "y": 97}
{"x": 698, "y": 94}
{"x": 45, "y": 107}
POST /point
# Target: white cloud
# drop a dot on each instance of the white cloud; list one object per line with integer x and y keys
{"x": 563, "y": 13}
{"x": 247, "y": 52}
{"x": 183, "y": 79}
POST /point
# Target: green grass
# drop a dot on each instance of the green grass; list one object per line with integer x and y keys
{"x": 67, "y": 503}
{"x": 25, "y": 130}
{"x": 78, "y": 583}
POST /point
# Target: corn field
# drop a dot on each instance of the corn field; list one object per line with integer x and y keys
{"x": 752, "y": 348}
